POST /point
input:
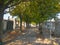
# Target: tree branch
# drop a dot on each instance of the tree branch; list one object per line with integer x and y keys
{"x": 15, "y": 4}
{"x": 9, "y": 2}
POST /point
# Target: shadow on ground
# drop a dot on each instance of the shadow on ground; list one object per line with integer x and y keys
{"x": 29, "y": 37}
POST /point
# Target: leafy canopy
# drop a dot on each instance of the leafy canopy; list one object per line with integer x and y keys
{"x": 37, "y": 10}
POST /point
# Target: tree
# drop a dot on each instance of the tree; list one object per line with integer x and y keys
{"x": 19, "y": 11}
{"x": 39, "y": 10}
{"x": 4, "y": 4}
{"x": 27, "y": 15}
{"x": 43, "y": 9}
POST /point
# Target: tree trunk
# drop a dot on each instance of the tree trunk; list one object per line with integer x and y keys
{"x": 1, "y": 28}
{"x": 21, "y": 23}
{"x": 1, "y": 21}
{"x": 27, "y": 24}
{"x": 40, "y": 28}
{"x": 36, "y": 25}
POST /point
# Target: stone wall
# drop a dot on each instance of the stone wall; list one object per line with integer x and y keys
{"x": 7, "y": 25}
{"x": 57, "y": 28}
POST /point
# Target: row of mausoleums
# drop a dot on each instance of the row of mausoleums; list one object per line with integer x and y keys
{"x": 9, "y": 25}
{"x": 47, "y": 26}
{"x": 53, "y": 26}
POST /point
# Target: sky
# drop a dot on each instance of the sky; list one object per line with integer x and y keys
{"x": 6, "y": 16}
{"x": 58, "y": 15}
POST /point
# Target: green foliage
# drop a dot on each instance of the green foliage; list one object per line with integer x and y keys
{"x": 43, "y": 9}
{"x": 22, "y": 8}
{"x": 37, "y": 10}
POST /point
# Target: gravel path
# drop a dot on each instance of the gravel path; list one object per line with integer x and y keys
{"x": 32, "y": 37}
